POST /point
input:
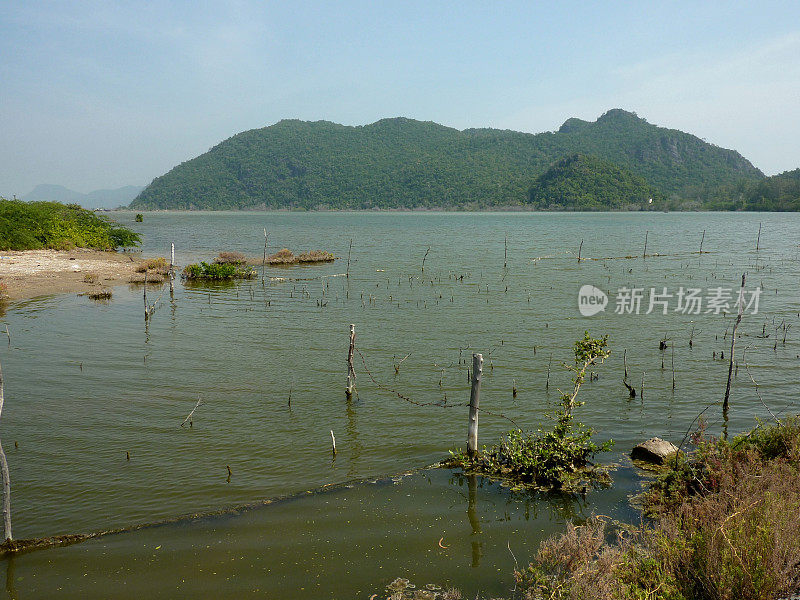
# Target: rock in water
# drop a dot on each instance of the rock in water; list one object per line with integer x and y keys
{"x": 655, "y": 450}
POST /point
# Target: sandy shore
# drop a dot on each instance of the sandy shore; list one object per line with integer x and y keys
{"x": 38, "y": 272}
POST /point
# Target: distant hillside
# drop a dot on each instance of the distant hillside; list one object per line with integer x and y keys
{"x": 779, "y": 192}
{"x": 405, "y": 163}
{"x": 582, "y": 182}
{"x": 96, "y": 199}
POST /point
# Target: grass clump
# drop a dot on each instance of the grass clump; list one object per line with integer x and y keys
{"x": 287, "y": 257}
{"x": 725, "y": 526}
{"x": 282, "y": 257}
{"x": 559, "y": 458}
{"x": 38, "y": 225}
{"x": 217, "y": 272}
{"x": 230, "y": 258}
{"x": 100, "y": 295}
{"x": 314, "y": 256}
{"x": 158, "y": 265}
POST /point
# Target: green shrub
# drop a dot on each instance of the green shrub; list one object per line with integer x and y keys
{"x": 560, "y": 457}
{"x": 37, "y": 225}
{"x": 725, "y": 526}
{"x": 217, "y": 271}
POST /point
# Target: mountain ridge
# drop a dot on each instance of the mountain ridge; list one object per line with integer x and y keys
{"x": 400, "y": 162}
{"x": 105, "y": 198}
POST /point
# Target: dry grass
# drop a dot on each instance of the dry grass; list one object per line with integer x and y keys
{"x": 316, "y": 256}
{"x": 727, "y": 527}
{"x": 282, "y": 257}
{"x": 158, "y": 265}
{"x": 231, "y": 258}
{"x": 287, "y": 257}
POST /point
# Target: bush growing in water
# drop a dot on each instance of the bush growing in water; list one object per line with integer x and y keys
{"x": 559, "y": 458}
{"x": 217, "y": 271}
{"x": 37, "y": 225}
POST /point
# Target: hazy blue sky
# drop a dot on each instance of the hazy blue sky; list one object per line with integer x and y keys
{"x": 106, "y": 94}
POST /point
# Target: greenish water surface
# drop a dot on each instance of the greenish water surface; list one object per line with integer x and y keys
{"x": 87, "y": 383}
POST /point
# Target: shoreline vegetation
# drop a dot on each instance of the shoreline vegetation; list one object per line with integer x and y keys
{"x": 49, "y": 247}
{"x": 56, "y": 226}
{"x": 721, "y": 523}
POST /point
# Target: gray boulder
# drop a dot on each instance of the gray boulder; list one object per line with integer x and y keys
{"x": 655, "y": 451}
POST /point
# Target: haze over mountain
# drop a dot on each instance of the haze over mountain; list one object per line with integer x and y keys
{"x": 403, "y": 163}
{"x": 96, "y": 199}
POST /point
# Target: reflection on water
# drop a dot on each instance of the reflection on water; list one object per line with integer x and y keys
{"x": 346, "y": 542}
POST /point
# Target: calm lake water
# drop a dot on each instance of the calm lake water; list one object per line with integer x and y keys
{"x": 86, "y": 383}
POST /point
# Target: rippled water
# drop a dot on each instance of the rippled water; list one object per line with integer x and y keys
{"x": 87, "y": 383}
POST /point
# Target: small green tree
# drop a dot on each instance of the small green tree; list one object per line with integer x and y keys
{"x": 557, "y": 458}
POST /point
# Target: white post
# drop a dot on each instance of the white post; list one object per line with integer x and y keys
{"x": 474, "y": 401}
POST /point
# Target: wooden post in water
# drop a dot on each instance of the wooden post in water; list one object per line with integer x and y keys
{"x": 474, "y": 401}
{"x": 264, "y": 261}
{"x": 351, "y": 372}
{"x": 644, "y": 253}
{"x": 171, "y": 269}
{"x": 6, "y": 479}
{"x": 733, "y": 345}
{"x": 144, "y": 296}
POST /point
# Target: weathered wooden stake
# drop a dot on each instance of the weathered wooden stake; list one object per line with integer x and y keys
{"x": 702, "y": 239}
{"x": 333, "y": 443}
{"x": 673, "y": 365}
{"x": 758, "y": 240}
{"x": 625, "y": 362}
{"x": 264, "y": 260}
{"x": 733, "y": 342}
{"x": 349, "y": 250}
{"x": 505, "y": 252}
{"x": 172, "y": 269}
{"x": 6, "y": 478}
{"x": 424, "y": 257}
{"x": 644, "y": 254}
{"x": 144, "y": 295}
{"x": 549, "y": 364}
{"x": 580, "y": 248}
{"x": 351, "y": 372}
{"x": 474, "y": 401}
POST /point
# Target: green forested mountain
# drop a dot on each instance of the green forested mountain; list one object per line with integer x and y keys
{"x": 405, "y": 163}
{"x": 582, "y": 182}
{"x": 779, "y": 192}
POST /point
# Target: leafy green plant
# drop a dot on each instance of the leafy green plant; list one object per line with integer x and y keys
{"x": 556, "y": 458}
{"x": 37, "y": 225}
{"x": 217, "y": 271}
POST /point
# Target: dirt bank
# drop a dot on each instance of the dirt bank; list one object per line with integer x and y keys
{"x": 39, "y": 272}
